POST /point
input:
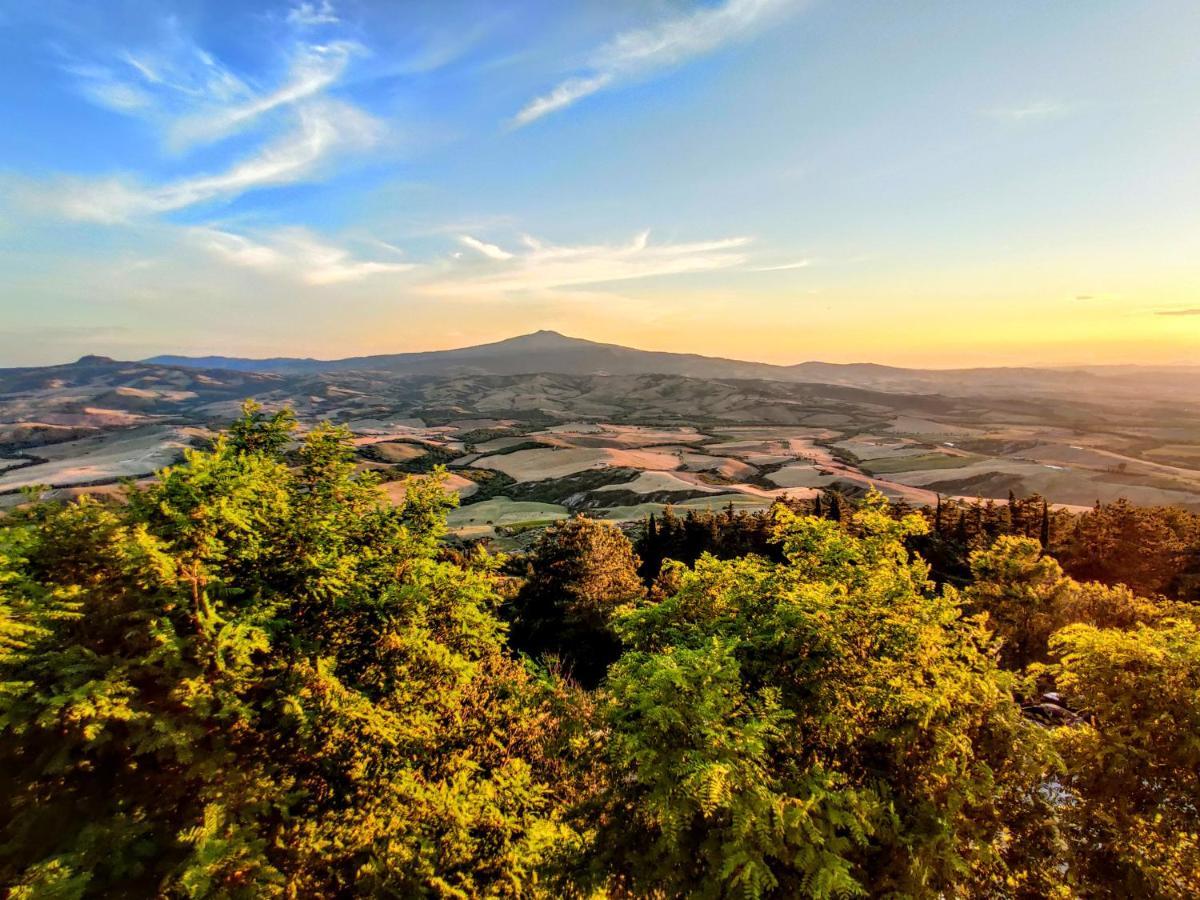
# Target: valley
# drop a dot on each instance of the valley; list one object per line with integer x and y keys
{"x": 524, "y": 449}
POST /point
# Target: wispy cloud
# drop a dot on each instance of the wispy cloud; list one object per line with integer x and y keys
{"x": 193, "y": 97}
{"x": 563, "y": 95}
{"x": 293, "y": 253}
{"x": 289, "y": 129}
{"x": 1031, "y": 111}
{"x": 105, "y": 87}
{"x": 784, "y": 267}
{"x": 491, "y": 251}
{"x": 542, "y": 266}
{"x": 310, "y": 14}
{"x": 313, "y": 69}
{"x": 321, "y": 129}
{"x": 668, "y": 43}
{"x": 1178, "y": 312}
{"x": 159, "y": 83}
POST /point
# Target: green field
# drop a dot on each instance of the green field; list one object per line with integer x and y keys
{"x": 504, "y": 511}
{"x": 916, "y": 463}
{"x": 720, "y": 501}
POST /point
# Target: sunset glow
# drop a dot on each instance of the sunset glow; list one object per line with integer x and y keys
{"x": 943, "y": 185}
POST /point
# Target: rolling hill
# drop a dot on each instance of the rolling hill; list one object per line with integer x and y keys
{"x": 718, "y": 428}
{"x": 548, "y": 352}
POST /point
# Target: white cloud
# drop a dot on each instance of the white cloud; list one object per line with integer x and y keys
{"x": 322, "y": 128}
{"x": 312, "y": 70}
{"x": 643, "y": 50}
{"x": 193, "y": 98}
{"x": 293, "y": 253}
{"x": 543, "y": 266}
{"x": 561, "y": 97}
{"x": 1034, "y": 110}
{"x": 293, "y": 128}
{"x": 309, "y": 14}
{"x": 171, "y": 79}
{"x": 783, "y": 267}
{"x": 103, "y": 87}
{"x": 239, "y": 250}
{"x": 491, "y": 251}
{"x": 119, "y": 97}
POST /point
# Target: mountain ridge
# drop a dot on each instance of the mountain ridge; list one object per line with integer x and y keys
{"x": 547, "y": 351}
{"x": 548, "y": 339}
{"x": 507, "y": 356}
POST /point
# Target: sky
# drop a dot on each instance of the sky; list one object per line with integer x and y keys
{"x": 924, "y": 184}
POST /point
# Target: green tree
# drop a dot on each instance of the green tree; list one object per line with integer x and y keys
{"x": 257, "y": 432}
{"x": 820, "y": 727}
{"x": 1145, "y": 548}
{"x": 1133, "y": 765}
{"x": 1023, "y": 592}
{"x": 580, "y": 573}
{"x": 252, "y": 680}
{"x": 1027, "y": 598}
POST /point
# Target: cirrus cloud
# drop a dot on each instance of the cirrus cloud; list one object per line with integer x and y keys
{"x": 293, "y": 253}
{"x": 541, "y": 266}
{"x": 321, "y": 130}
{"x": 287, "y": 123}
{"x": 1034, "y": 110}
{"x": 642, "y": 50}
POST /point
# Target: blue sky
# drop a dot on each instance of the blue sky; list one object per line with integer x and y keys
{"x": 937, "y": 183}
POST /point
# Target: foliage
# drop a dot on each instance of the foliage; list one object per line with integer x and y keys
{"x": 253, "y": 680}
{"x": 255, "y": 677}
{"x": 1023, "y": 592}
{"x": 727, "y": 534}
{"x": 1150, "y": 549}
{"x": 1134, "y": 765}
{"x": 1154, "y": 550}
{"x": 256, "y": 432}
{"x": 581, "y": 572}
{"x": 1027, "y": 598}
{"x": 820, "y": 727}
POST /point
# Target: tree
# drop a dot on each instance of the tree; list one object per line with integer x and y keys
{"x": 1022, "y": 592}
{"x": 250, "y": 680}
{"x": 256, "y": 432}
{"x": 1133, "y": 765}
{"x": 1145, "y": 549}
{"x": 820, "y": 727}
{"x": 1027, "y": 598}
{"x": 581, "y": 572}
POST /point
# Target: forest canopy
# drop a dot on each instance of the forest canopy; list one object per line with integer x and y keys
{"x": 258, "y": 677}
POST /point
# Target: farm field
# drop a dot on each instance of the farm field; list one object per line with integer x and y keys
{"x": 486, "y": 518}
{"x": 102, "y": 458}
{"x": 526, "y": 449}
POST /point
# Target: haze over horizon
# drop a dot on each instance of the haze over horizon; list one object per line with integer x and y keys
{"x": 770, "y": 180}
{"x": 549, "y": 338}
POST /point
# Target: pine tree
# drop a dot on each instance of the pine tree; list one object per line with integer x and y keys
{"x": 582, "y": 572}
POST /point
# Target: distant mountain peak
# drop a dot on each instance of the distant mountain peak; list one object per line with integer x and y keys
{"x": 93, "y": 359}
{"x": 545, "y": 337}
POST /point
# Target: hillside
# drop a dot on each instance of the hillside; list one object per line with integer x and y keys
{"x": 551, "y": 352}
{"x": 533, "y": 447}
{"x": 541, "y": 351}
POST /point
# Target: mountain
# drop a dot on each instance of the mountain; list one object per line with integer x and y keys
{"x": 540, "y": 352}
{"x": 548, "y": 352}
